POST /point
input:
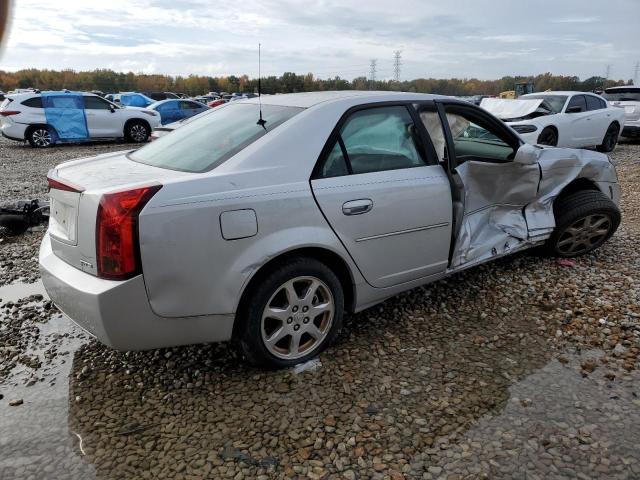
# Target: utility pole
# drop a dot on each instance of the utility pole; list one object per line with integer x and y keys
{"x": 636, "y": 72}
{"x": 372, "y": 74}
{"x": 397, "y": 62}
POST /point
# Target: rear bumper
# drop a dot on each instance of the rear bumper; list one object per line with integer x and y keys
{"x": 117, "y": 313}
{"x": 13, "y": 131}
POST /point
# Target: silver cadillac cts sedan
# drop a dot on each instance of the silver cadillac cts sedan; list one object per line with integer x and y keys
{"x": 265, "y": 222}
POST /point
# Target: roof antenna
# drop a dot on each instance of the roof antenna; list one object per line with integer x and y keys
{"x": 260, "y": 121}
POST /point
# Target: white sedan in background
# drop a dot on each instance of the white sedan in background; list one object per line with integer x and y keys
{"x": 561, "y": 119}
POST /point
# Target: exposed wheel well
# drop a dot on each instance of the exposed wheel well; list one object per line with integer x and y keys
{"x": 575, "y": 186}
{"x": 329, "y": 258}
{"x": 136, "y": 120}
{"x": 616, "y": 123}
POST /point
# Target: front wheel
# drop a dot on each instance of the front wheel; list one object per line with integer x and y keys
{"x": 137, "y": 132}
{"x": 548, "y": 136}
{"x": 293, "y": 314}
{"x": 610, "y": 139}
{"x": 584, "y": 221}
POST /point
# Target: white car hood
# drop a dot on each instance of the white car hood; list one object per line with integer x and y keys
{"x": 505, "y": 108}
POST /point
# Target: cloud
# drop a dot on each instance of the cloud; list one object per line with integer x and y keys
{"x": 477, "y": 38}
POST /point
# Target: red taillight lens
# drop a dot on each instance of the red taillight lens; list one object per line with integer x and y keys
{"x": 66, "y": 186}
{"x": 6, "y": 113}
{"x": 117, "y": 247}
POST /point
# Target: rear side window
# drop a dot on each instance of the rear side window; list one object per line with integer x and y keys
{"x": 205, "y": 143}
{"x": 595, "y": 103}
{"x": 375, "y": 140}
{"x": 190, "y": 106}
{"x": 33, "y": 102}
{"x": 577, "y": 101}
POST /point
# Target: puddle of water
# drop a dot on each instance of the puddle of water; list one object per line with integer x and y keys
{"x": 15, "y": 291}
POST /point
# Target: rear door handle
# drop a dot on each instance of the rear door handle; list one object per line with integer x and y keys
{"x": 357, "y": 207}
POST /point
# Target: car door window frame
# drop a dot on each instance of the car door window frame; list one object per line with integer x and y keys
{"x": 506, "y": 135}
{"x": 428, "y": 151}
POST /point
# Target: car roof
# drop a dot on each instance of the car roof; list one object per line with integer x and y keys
{"x": 561, "y": 92}
{"x": 309, "y": 99}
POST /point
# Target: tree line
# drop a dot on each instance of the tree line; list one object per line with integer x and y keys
{"x": 110, "y": 81}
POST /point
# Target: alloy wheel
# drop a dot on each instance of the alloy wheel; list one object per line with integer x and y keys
{"x": 297, "y": 317}
{"x": 138, "y": 133}
{"x": 584, "y": 234}
{"x": 41, "y": 137}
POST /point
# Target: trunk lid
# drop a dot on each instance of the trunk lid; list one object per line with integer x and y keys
{"x": 72, "y": 221}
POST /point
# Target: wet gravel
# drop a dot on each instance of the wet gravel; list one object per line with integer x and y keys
{"x": 522, "y": 368}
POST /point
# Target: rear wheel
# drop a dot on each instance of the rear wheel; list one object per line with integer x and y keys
{"x": 40, "y": 137}
{"x": 584, "y": 221}
{"x": 548, "y": 136}
{"x": 610, "y": 139}
{"x": 292, "y": 314}
{"x": 137, "y": 132}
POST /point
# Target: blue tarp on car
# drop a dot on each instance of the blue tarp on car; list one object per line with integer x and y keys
{"x": 64, "y": 112}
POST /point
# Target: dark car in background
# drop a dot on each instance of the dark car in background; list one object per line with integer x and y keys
{"x": 157, "y": 96}
{"x": 172, "y": 110}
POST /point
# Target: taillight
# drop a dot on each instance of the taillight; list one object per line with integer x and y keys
{"x": 63, "y": 185}
{"x": 6, "y": 113}
{"x": 117, "y": 246}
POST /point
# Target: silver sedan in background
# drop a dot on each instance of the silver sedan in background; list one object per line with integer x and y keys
{"x": 265, "y": 222}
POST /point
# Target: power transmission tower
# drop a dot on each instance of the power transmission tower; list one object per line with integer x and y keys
{"x": 636, "y": 72}
{"x": 397, "y": 62}
{"x": 372, "y": 73}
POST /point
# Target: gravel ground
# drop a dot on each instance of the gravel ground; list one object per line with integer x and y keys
{"x": 522, "y": 368}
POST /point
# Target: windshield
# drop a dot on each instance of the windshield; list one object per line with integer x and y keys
{"x": 202, "y": 145}
{"x": 555, "y": 102}
{"x": 622, "y": 94}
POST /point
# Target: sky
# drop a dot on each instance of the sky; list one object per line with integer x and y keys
{"x": 485, "y": 39}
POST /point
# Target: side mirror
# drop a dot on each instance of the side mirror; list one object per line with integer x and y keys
{"x": 527, "y": 154}
{"x": 574, "y": 110}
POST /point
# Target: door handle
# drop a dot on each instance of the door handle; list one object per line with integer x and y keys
{"x": 357, "y": 207}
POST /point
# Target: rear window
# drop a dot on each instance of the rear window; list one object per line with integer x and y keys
{"x": 629, "y": 94}
{"x": 202, "y": 145}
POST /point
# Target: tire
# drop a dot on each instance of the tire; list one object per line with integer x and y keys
{"x": 610, "y": 139}
{"x": 548, "y": 136}
{"x": 137, "y": 131}
{"x": 291, "y": 320}
{"x": 584, "y": 221}
{"x": 40, "y": 136}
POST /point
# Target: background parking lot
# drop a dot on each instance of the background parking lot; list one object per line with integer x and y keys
{"x": 522, "y": 368}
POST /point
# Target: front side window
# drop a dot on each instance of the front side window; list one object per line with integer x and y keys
{"x": 474, "y": 138}
{"x": 577, "y": 104}
{"x": 95, "y": 103}
{"x": 203, "y": 144}
{"x": 375, "y": 140}
{"x": 594, "y": 103}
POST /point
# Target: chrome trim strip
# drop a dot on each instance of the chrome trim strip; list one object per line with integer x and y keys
{"x": 400, "y": 232}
